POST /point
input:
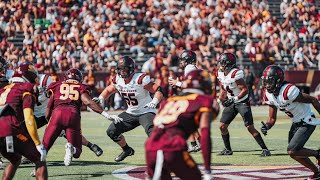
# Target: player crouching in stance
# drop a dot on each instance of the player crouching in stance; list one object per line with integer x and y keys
{"x": 177, "y": 119}
{"x": 17, "y": 101}
{"x": 287, "y": 98}
{"x": 235, "y": 99}
{"x": 135, "y": 88}
{"x": 66, "y": 98}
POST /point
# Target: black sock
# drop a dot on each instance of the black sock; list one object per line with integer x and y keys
{"x": 126, "y": 147}
{"x": 89, "y": 144}
{"x": 260, "y": 141}
{"x": 193, "y": 143}
{"x": 226, "y": 141}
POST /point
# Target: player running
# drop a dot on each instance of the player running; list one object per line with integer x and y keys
{"x": 287, "y": 97}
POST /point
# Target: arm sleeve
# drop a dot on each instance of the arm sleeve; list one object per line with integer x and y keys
{"x": 293, "y": 93}
{"x": 28, "y": 104}
{"x": 205, "y": 142}
{"x": 146, "y": 80}
{"x": 189, "y": 68}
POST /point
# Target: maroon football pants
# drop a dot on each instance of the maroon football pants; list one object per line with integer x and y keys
{"x": 178, "y": 162}
{"x": 64, "y": 118}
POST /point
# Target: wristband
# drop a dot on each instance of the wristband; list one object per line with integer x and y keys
{"x": 155, "y": 100}
{"x": 101, "y": 98}
{"x": 236, "y": 98}
{"x": 179, "y": 84}
{"x": 105, "y": 114}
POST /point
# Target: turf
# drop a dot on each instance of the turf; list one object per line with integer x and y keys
{"x": 88, "y": 166}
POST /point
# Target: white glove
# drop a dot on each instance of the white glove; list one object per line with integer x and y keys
{"x": 116, "y": 119}
{"x": 207, "y": 177}
{"x": 174, "y": 82}
{"x": 99, "y": 100}
{"x": 42, "y": 151}
{"x": 153, "y": 104}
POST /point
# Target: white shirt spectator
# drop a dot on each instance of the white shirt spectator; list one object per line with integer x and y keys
{"x": 215, "y": 32}
{"x": 298, "y": 56}
{"x": 283, "y": 6}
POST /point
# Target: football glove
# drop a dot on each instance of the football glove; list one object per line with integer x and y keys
{"x": 153, "y": 104}
{"x": 116, "y": 119}
{"x": 228, "y": 102}
{"x": 42, "y": 151}
{"x": 99, "y": 100}
{"x": 264, "y": 128}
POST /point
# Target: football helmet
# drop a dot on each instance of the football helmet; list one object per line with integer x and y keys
{"x": 125, "y": 66}
{"x": 189, "y": 57}
{"x": 26, "y": 71}
{"x": 227, "y": 61}
{"x": 74, "y": 74}
{"x": 272, "y": 78}
{"x": 198, "y": 79}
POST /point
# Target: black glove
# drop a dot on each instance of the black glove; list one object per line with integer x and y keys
{"x": 228, "y": 102}
{"x": 264, "y": 128}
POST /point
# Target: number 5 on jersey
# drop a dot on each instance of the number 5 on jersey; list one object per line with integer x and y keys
{"x": 69, "y": 91}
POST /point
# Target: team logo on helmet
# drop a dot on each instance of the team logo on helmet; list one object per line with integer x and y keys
{"x": 74, "y": 74}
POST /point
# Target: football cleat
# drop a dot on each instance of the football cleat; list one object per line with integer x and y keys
{"x": 33, "y": 173}
{"x": 124, "y": 154}
{"x": 195, "y": 148}
{"x": 96, "y": 149}
{"x": 225, "y": 152}
{"x": 265, "y": 152}
{"x": 315, "y": 176}
{"x": 25, "y": 160}
{"x": 69, "y": 154}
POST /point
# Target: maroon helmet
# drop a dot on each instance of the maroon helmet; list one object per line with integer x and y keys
{"x": 123, "y": 63}
{"x": 198, "y": 79}
{"x": 227, "y": 61}
{"x": 74, "y": 74}
{"x": 26, "y": 71}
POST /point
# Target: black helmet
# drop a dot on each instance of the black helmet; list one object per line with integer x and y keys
{"x": 124, "y": 62}
{"x": 272, "y": 78}
{"x": 227, "y": 61}
{"x": 188, "y": 56}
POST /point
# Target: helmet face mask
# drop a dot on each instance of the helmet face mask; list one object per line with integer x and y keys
{"x": 125, "y": 67}
{"x": 74, "y": 74}
{"x": 273, "y": 78}
{"x": 227, "y": 61}
{"x": 187, "y": 57}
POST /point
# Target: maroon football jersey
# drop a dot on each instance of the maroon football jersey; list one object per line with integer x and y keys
{"x": 18, "y": 96}
{"x": 177, "y": 119}
{"x": 67, "y": 93}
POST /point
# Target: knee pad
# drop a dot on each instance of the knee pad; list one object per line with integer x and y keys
{"x": 113, "y": 135}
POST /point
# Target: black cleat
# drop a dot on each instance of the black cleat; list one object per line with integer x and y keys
{"x": 25, "y": 160}
{"x": 96, "y": 149}
{"x": 265, "y": 152}
{"x": 124, "y": 154}
{"x": 226, "y": 152}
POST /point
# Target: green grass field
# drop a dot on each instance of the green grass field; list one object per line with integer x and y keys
{"x": 88, "y": 166}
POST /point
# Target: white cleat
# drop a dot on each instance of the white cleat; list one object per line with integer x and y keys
{"x": 69, "y": 154}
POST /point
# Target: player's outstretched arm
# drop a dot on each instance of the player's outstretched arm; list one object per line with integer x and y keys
{"x": 105, "y": 94}
{"x": 86, "y": 99}
{"x": 205, "y": 121}
{"x": 306, "y": 98}
{"x": 49, "y": 108}
{"x": 158, "y": 96}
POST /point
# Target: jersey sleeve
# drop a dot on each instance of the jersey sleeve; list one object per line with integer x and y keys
{"x": 51, "y": 87}
{"x": 219, "y": 75}
{"x": 84, "y": 89}
{"x": 238, "y": 75}
{"x": 145, "y": 79}
{"x": 29, "y": 95}
{"x": 265, "y": 98}
{"x": 291, "y": 92}
{"x": 189, "y": 68}
{"x": 206, "y": 103}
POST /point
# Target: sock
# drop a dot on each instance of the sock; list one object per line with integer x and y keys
{"x": 226, "y": 141}
{"x": 74, "y": 150}
{"x": 260, "y": 141}
{"x": 126, "y": 147}
{"x": 89, "y": 144}
{"x": 193, "y": 143}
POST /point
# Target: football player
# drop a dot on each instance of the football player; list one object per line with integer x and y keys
{"x": 40, "y": 109}
{"x": 188, "y": 61}
{"x": 287, "y": 98}
{"x": 68, "y": 96}
{"x": 177, "y": 119}
{"x": 17, "y": 101}
{"x": 135, "y": 88}
{"x": 235, "y": 99}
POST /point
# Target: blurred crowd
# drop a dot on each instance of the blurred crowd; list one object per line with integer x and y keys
{"x": 91, "y": 35}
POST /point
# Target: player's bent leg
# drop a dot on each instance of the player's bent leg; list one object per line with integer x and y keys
{"x": 182, "y": 164}
{"x": 41, "y": 170}
{"x": 12, "y": 166}
{"x": 257, "y": 136}
{"x": 226, "y": 139}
